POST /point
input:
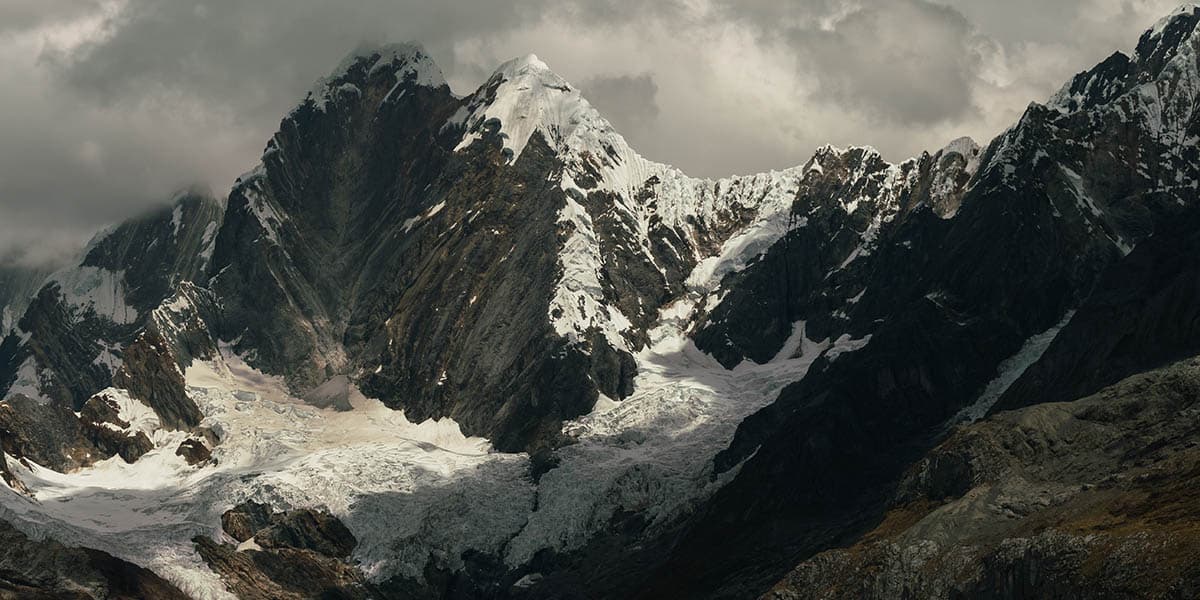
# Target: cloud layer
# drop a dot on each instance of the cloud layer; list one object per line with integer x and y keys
{"x": 110, "y": 105}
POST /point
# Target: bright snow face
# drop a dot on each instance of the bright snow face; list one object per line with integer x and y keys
{"x": 523, "y": 97}
{"x": 98, "y": 290}
{"x": 388, "y": 479}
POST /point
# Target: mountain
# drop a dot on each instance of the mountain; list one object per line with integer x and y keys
{"x": 956, "y": 310}
{"x": 504, "y": 275}
{"x": 18, "y": 283}
{"x": 442, "y": 346}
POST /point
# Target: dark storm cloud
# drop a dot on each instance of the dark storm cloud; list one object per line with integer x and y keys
{"x": 904, "y": 61}
{"x": 162, "y": 94}
{"x": 107, "y": 106}
{"x": 259, "y": 56}
{"x": 22, "y": 14}
{"x": 628, "y": 101}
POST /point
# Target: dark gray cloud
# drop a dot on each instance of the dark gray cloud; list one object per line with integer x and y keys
{"x": 628, "y": 101}
{"x": 111, "y": 106}
{"x": 904, "y": 61}
{"x": 257, "y": 57}
{"x": 16, "y": 15}
{"x": 107, "y": 106}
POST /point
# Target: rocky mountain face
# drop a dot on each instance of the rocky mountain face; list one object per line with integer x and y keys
{"x": 1084, "y": 499}
{"x": 68, "y": 343}
{"x": 47, "y": 570}
{"x": 966, "y": 351}
{"x": 18, "y": 284}
{"x": 1074, "y": 213}
{"x": 89, "y": 327}
{"x": 500, "y": 270}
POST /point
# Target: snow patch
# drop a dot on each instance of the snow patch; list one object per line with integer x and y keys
{"x": 141, "y": 418}
{"x": 96, "y": 290}
{"x": 28, "y": 382}
{"x": 176, "y": 219}
{"x": 845, "y": 344}
{"x": 208, "y": 242}
{"x": 1009, "y": 371}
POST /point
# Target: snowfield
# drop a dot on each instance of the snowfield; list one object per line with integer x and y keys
{"x": 407, "y": 491}
{"x": 369, "y": 466}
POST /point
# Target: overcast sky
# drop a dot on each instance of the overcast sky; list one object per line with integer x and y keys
{"x": 108, "y": 106}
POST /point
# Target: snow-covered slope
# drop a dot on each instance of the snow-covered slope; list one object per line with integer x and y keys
{"x": 407, "y": 491}
{"x": 523, "y": 98}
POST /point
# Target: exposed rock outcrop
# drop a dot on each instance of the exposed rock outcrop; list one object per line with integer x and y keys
{"x": 18, "y": 284}
{"x": 283, "y": 574}
{"x": 246, "y": 519}
{"x": 103, "y": 426}
{"x": 297, "y": 554}
{"x": 301, "y": 529}
{"x": 151, "y": 375}
{"x": 31, "y": 569}
{"x": 307, "y": 530}
{"x": 194, "y": 451}
{"x": 48, "y": 434}
{"x": 75, "y": 329}
{"x": 1087, "y": 499}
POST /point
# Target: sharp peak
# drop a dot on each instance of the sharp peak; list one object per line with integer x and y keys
{"x": 407, "y": 59}
{"x": 527, "y": 62}
{"x": 527, "y": 66}
{"x": 964, "y": 145}
{"x": 408, "y": 54}
{"x": 390, "y": 50}
{"x": 1187, "y": 9}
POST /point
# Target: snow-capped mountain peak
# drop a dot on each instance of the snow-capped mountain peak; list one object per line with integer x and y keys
{"x": 524, "y": 96}
{"x": 1184, "y": 10}
{"x": 407, "y": 61}
{"x": 1157, "y": 85}
{"x": 523, "y": 64}
{"x": 508, "y": 261}
{"x": 1167, "y": 41}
